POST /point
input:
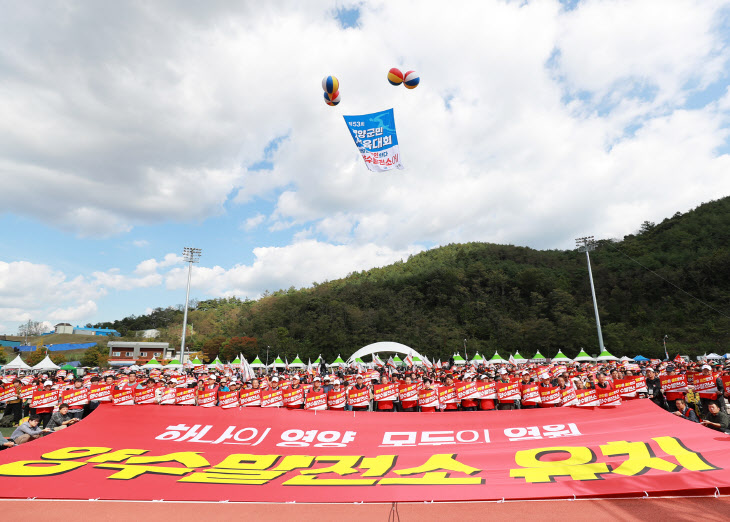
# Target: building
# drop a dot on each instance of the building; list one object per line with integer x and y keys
{"x": 122, "y": 353}
{"x": 63, "y": 328}
{"x": 79, "y": 330}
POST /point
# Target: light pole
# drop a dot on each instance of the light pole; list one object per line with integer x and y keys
{"x": 190, "y": 255}
{"x": 466, "y": 357}
{"x": 586, "y": 244}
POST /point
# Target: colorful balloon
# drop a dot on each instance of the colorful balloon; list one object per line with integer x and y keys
{"x": 330, "y": 84}
{"x": 411, "y": 80}
{"x": 332, "y": 101}
{"x": 395, "y": 76}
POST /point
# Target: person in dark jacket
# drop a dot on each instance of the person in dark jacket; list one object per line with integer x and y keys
{"x": 716, "y": 419}
{"x": 654, "y": 387}
{"x": 683, "y": 410}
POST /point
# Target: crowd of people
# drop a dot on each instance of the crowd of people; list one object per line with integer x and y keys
{"x": 696, "y": 392}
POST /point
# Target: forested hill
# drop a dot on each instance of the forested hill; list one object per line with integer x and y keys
{"x": 498, "y": 297}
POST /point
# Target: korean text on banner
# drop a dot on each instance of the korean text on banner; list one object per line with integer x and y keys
{"x": 375, "y": 137}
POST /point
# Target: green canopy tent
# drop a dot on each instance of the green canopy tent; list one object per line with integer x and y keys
{"x": 538, "y": 357}
{"x": 496, "y": 359}
{"x": 459, "y": 360}
{"x": 561, "y": 358}
{"x": 337, "y": 362}
{"x": 397, "y": 360}
{"x": 477, "y": 359}
{"x": 257, "y": 363}
{"x": 152, "y": 363}
{"x": 297, "y": 363}
{"x": 196, "y": 362}
{"x": 278, "y": 363}
{"x": 583, "y": 357}
{"x": 518, "y": 358}
{"x": 605, "y": 356}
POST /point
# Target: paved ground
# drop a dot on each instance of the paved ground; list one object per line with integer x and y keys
{"x": 694, "y": 509}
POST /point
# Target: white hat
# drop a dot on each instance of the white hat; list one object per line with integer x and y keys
{"x": 502, "y": 371}
{"x": 48, "y": 383}
{"x": 525, "y": 372}
{"x": 337, "y": 381}
{"x": 274, "y": 379}
{"x": 706, "y": 367}
{"x": 317, "y": 379}
{"x": 295, "y": 377}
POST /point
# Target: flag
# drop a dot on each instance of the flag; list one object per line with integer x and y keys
{"x": 382, "y": 153}
{"x": 310, "y": 368}
{"x": 438, "y": 364}
{"x": 391, "y": 362}
{"x": 428, "y": 364}
{"x": 677, "y": 359}
{"x": 286, "y": 363}
{"x": 378, "y": 361}
{"x": 246, "y": 371}
{"x": 512, "y": 360}
{"x": 409, "y": 359}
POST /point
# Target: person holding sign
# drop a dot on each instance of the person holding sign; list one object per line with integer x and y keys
{"x": 45, "y": 412}
{"x": 712, "y": 389}
{"x": 384, "y": 405}
{"x": 360, "y": 389}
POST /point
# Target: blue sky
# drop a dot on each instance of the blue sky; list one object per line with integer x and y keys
{"x": 129, "y": 133}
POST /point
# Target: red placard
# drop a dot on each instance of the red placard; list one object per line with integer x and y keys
{"x": 428, "y": 398}
{"x": 168, "y": 396}
{"x": 673, "y": 383}
{"x": 568, "y": 397}
{"x": 447, "y": 394}
{"x": 293, "y": 397}
{"x": 336, "y": 399}
{"x": 26, "y": 392}
{"x": 228, "y": 399}
{"x": 75, "y": 397}
{"x": 587, "y": 398}
{"x": 101, "y": 392}
{"x": 144, "y": 396}
{"x": 550, "y": 395}
{"x": 531, "y": 393}
{"x": 726, "y": 384}
{"x": 185, "y": 396}
{"x": 271, "y": 399}
{"x": 508, "y": 391}
{"x": 44, "y": 399}
{"x": 8, "y": 394}
{"x": 316, "y": 401}
{"x": 208, "y": 398}
{"x": 487, "y": 389}
{"x": 626, "y": 387}
{"x": 358, "y": 398}
{"x": 385, "y": 392}
{"x": 705, "y": 384}
{"x": 250, "y": 397}
{"x": 408, "y": 392}
{"x": 123, "y": 397}
{"x": 640, "y": 384}
{"x": 609, "y": 397}
{"x": 467, "y": 390}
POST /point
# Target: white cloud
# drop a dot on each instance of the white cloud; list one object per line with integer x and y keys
{"x": 150, "y": 266}
{"x": 74, "y": 313}
{"x": 298, "y": 265}
{"x": 253, "y": 222}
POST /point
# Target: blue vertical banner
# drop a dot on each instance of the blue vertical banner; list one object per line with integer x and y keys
{"x": 375, "y": 138}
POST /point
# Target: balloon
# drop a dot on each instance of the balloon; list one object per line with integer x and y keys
{"x": 411, "y": 80}
{"x": 395, "y": 76}
{"x": 332, "y": 101}
{"x": 330, "y": 84}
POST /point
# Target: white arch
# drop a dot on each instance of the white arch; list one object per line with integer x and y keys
{"x": 385, "y": 346}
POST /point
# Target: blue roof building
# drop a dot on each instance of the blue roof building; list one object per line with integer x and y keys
{"x": 79, "y": 330}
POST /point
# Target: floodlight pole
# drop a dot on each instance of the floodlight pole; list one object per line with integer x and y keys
{"x": 190, "y": 255}
{"x": 586, "y": 244}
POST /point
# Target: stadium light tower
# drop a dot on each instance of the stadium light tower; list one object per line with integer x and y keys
{"x": 190, "y": 255}
{"x": 586, "y": 244}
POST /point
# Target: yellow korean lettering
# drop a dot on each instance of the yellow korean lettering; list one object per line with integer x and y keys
{"x": 254, "y": 477}
{"x": 640, "y": 460}
{"x": 189, "y": 459}
{"x": 687, "y": 458}
{"x": 247, "y": 461}
{"x": 579, "y": 465}
{"x": 38, "y": 468}
{"x": 432, "y": 474}
{"x": 76, "y": 452}
{"x": 117, "y": 456}
{"x": 128, "y": 471}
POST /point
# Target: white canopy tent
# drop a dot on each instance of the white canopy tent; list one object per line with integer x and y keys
{"x": 16, "y": 364}
{"x": 46, "y": 364}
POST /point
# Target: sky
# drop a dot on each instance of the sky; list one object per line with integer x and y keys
{"x": 130, "y": 130}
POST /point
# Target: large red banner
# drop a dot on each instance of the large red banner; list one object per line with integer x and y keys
{"x": 274, "y": 455}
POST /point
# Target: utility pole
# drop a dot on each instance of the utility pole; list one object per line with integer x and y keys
{"x": 586, "y": 244}
{"x": 190, "y": 255}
